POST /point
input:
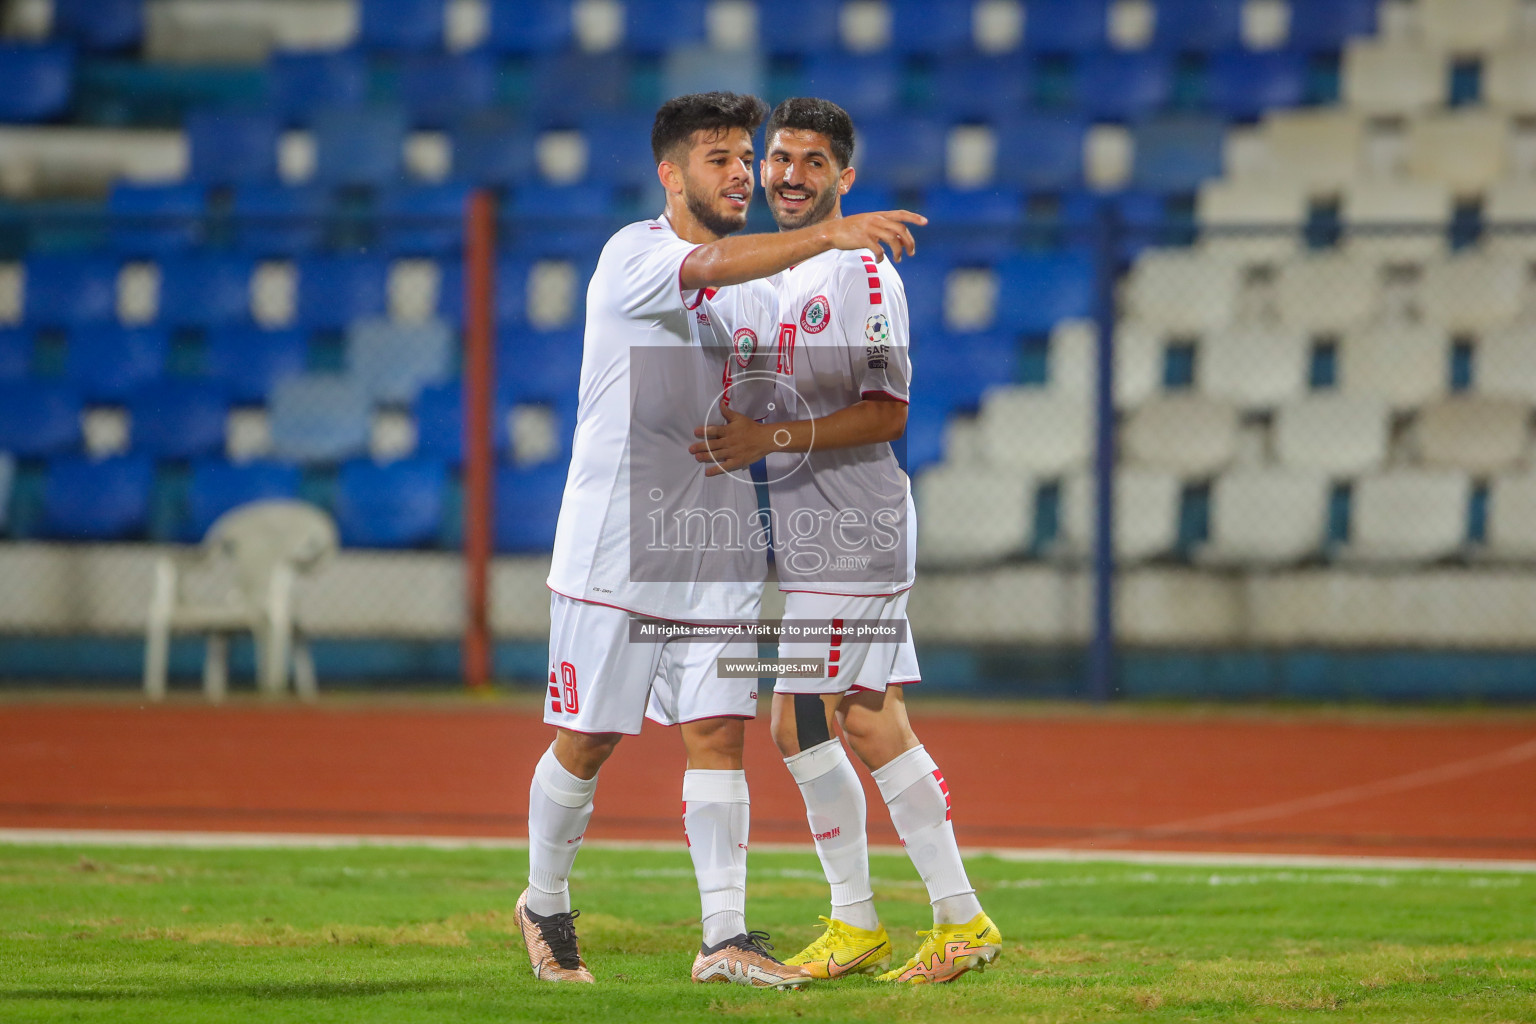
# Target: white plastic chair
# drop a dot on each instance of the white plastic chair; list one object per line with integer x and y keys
{"x": 1035, "y": 431}
{"x": 1407, "y": 364}
{"x": 1511, "y": 203}
{"x": 1467, "y": 150}
{"x": 1472, "y": 293}
{"x": 1146, "y": 514}
{"x": 1272, "y": 211}
{"x": 968, "y": 515}
{"x": 1182, "y": 290}
{"x": 1473, "y": 433}
{"x": 1319, "y": 149}
{"x": 1186, "y": 433}
{"x": 1392, "y": 78}
{"x": 1387, "y": 219}
{"x": 1255, "y": 367}
{"x": 264, "y": 546}
{"x": 1408, "y": 516}
{"x": 1266, "y": 517}
{"x": 1512, "y": 517}
{"x": 1468, "y": 26}
{"x": 1509, "y": 78}
{"x": 1506, "y": 363}
{"x": 1328, "y": 293}
{"x": 1332, "y": 432}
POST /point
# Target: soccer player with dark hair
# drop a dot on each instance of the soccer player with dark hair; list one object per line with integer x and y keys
{"x": 844, "y": 547}
{"x": 672, "y": 302}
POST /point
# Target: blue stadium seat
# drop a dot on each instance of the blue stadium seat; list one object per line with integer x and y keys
{"x": 565, "y": 86}
{"x": 230, "y": 147}
{"x": 440, "y": 421}
{"x": 152, "y": 220}
{"x": 359, "y": 145}
{"x": 982, "y": 88}
{"x": 1041, "y": 151}
{"x": 930, "y": 27}
{"x": 67, "y": 290}
{"x": 278, "y": 220}
{"x": 401, "y": 25}
{"x": 436, "y": 88}
{"x": 1201, "y": 26}
{"x": 539, "y": 366}
{"x": 205, "y": 290}
{"x": 7, "y": 478}
{"x": 903, "y": 152}
{"x": 36, "y": 82}
{"x": 1122, "y": 86}
{"x": 922, "y": 444}
{"x": 398, "y": 505}
{"x": 319, "y": 418}
{"x": 216, "y": 486}
{"x": 865, "y": 85}
{"x": 393, "y": 361}
{"x": 179, "y": 419}
{"x": 653, "y": 27}
{"x": 530, "y": 27}
{"x": 925, "y": 294}
{"x": 961, "y": 367}
{"x": 1247, "y": 85}
{"x": 335, "y": 290}
{"x": 299, "y": 83}
{"x": 972, "y": 225}
{"x": 107, "y": 363}
{"x": 813, "y": 29}
{"x": 15, "y": 353}
{"x": 248, "y": 361}
{"x": 1034, "y": 292}
{"x": 527, "y": 506}
{"x": 1177, "y": 153}
{"x": 619, "y": 148}
{"x": 38, "y": 418}
{"x": 1325, "y": 25}
{"x": 555, "y": 221}
{"x": 867, "y": 197}
{"x": 510, "y": 291}
{"x": 1066, "y": 26}
{"x": 422, "y": 220}
{"x": 494, "y": 147}
{"x": 100, "y": 26}
{"x": 106, "y": 500}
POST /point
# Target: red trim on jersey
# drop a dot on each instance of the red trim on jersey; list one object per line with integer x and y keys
{"x": 824, "y": 593}
{"x": 887, "y": 394}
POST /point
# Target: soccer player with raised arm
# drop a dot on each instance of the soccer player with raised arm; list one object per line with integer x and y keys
{"x": 844, "y": 546}
{"x": 672, "y": 303}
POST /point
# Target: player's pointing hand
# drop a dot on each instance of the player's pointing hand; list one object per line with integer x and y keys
{"x": 873, "y": 230}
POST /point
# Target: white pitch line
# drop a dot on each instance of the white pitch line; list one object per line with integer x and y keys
{"x": 308, "y": 841}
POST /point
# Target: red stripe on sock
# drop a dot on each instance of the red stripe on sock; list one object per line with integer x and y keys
{"x": 943, "y": 788}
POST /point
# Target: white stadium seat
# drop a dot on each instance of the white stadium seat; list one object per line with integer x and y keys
{"x": 1396, "y": 219}
{"x": 1146, "y": 514}
{"x": 1182, "y": 290}
{"x": 1033, "y": 430}
{"x": 1406, "y": 364}
{"x": 1509, "y": 78}
{"x": 1470, "y": 292}
{"x": 1255, "y": 367}
{"x": 1072, "y": 359}
{"x": 1510, "y": 203}
{"x": 1467, "y": 26}
{"x": 1315, "y": 148}
{"x": 1467, "y": 151}
{"x": 973, "y": 514}
{"x": 1512, "y": 516}
{"x": 1481, "y": 435}
{"x": 1266, "y": 517}
{"x": 1139, "y": 351}
{"x": 1252, "y": 219}
{"x": 1408, "y": 516}
{"x": 1392, "y": 77}
{"x": 1186, "y": 433}
{"x": 1333, "y": 432}
{"x": 1506, "y": 363}
{"x": 1328, "y": 293}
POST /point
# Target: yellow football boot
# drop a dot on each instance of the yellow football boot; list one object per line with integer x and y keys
{"x": 843, "y": 950}
{"x": 949, "y": 950}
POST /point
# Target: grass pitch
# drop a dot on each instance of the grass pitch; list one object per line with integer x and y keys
{"x": 408, "y": 934}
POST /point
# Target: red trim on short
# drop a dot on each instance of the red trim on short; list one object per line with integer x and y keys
{"x": 701, "y": 718}
{"x": 824, "y": 593}
{"x": 887, "y": 394}
{"x": 621, "y": 608}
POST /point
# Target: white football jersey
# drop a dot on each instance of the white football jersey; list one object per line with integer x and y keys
{"x": 843, "y": 518}
{"x": 641, "y": 527}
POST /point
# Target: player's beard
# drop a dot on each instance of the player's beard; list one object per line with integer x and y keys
{"x": 818, "y": 211}
{"x": 704, "y": 211}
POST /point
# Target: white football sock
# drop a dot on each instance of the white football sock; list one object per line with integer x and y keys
{"x": 559, "y": 806}
{"x": 834, "y": 806}
{"x": 716, "y": 817}
{"x": 918, "y": 798}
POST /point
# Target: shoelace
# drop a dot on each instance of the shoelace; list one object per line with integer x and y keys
{"x": 759, "y": 942}
{"x": 823, "y": 945}
{"x": 559, "y": 930}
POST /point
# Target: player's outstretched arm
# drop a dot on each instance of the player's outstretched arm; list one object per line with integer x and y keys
{"x": 738, "y": 258}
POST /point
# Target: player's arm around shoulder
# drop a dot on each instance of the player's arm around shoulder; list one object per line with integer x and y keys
{"x": 738, "y": 258}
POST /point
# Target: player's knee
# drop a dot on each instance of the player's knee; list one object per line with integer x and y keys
{"x": 782, "y": 727}
{"x": 582, "y": 754}
{"x": 715, "y": 742}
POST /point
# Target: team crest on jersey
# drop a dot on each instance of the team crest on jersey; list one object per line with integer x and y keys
{"x": 877, "y": 329}
{"x": 814, "y": 317}
{"x": 744, "y": 341}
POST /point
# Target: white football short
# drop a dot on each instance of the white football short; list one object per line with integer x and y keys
{"x": 600, "y": 680}
{"x": 850, "y": 665}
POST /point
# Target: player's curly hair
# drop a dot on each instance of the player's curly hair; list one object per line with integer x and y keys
{"x": 808, "y": 114}
{"x": 679, "y": 118}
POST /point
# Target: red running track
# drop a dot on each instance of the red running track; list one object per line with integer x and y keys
{"x": 1393, "y": 785}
